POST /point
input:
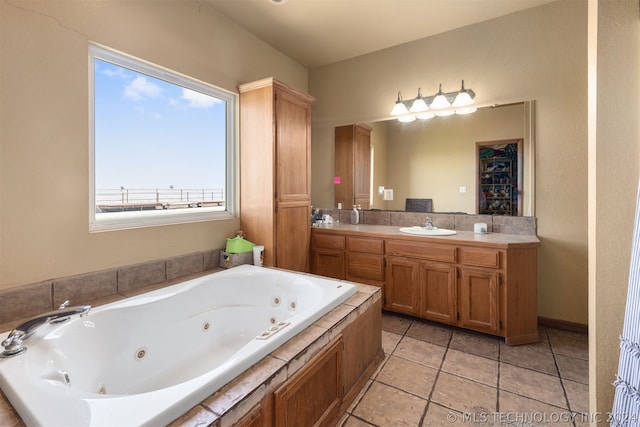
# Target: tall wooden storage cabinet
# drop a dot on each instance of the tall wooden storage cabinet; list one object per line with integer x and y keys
{"x": 275, "y": 171}
{"x": 353, "y": 165}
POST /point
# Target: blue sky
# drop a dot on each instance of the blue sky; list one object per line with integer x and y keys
{"x": 153, "y": 134}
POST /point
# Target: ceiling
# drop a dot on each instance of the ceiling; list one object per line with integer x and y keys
{"x": 320, "y": 32}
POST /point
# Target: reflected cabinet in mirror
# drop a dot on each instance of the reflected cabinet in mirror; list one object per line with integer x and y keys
{"x": 438, "y": 159}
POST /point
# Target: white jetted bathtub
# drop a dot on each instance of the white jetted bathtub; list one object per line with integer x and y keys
{"x": 148, "y": 359}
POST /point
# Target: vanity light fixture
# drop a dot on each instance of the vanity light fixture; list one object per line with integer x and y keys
{"x": 440, "y": 104}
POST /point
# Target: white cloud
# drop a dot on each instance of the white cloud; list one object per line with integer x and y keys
{"x": 116, "y": 72}
{"x": 140, "y": 88}
{"x": 196, "y": 99}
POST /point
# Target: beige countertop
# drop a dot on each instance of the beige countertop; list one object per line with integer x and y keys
{"x": 461, "y": 237}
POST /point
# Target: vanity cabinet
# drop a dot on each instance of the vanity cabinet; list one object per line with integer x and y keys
{"x": 327, "y": 255}
{"x": 431, "y": 281}
{"x": 275, "y": 154}
{"x": 353, "y": 165}
{"x": 480, "y": 285}
{"x": 359, "y": 259}
{"x": 365, "y": 260}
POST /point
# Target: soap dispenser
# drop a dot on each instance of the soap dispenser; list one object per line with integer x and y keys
{"x": 355, "y": 215}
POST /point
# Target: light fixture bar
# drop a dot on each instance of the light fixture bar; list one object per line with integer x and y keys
{"x": 440, "y": 104}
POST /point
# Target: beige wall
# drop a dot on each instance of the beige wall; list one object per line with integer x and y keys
{"x": 44, "y": 129}
{"x": 539, "y": 54}
{"x": 614, "y": 137}
{"x": 433, "y": 159}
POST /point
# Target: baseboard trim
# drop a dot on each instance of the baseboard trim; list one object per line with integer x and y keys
{"x": 564, "y": 325}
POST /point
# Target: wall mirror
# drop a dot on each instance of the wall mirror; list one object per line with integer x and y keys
{"x": 437, "y": 159}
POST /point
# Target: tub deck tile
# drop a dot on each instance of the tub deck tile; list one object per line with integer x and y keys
{"x": 335, "y": 316}
{"x": 247, "y": 383}
{"x": 197, "y": 416}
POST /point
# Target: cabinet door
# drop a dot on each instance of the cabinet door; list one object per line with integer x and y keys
{"x": 292, "y": 148}
{"x": 312, "y": 396}
{"x": 401, "y": 292}
{"x": 478, "y": 301}
{"x": 329, "y": 263}
{"x": 438, "y": 292}
{"x": 292, "y": 236}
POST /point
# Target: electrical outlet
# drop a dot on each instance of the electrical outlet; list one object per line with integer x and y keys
{"x": 463, "y": 189}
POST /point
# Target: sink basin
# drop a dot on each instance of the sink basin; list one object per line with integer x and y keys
{"x": 421, "y": 231}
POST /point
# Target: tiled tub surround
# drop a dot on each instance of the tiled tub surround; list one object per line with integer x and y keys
{"x": 251, "y": 391}
{"x": 525, "y": 225}
{"x": 101, "y": 287}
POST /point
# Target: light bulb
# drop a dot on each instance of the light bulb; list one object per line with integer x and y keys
{"x": 463, "y": 98}
{"x": 440, "y": 101}
{"x": 399, "y": 108}
{"x": 419, "y": 105}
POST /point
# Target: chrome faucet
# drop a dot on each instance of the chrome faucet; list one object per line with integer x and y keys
{"x": 429, "y": 224}
{"x": 13, "y": 344}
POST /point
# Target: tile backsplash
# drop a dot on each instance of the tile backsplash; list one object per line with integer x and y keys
{"x": 525, "y": 225}
{"x": 103, "y": 286}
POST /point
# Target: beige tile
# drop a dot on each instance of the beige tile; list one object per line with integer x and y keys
{"x": 376, "y": 217}
{"x": 520, "y": 410}
{"x": 359, "y": 397}
{"x": 390, "y": 341}
{"x": 141, "y": 275}
{"x": 211, "y": 259}
{"x": 475, "y": 343}
{"x": 578, "y": 395}
{"x": 245, "y": 385}
{"x": 394, "y": 323}
{"x": 196, "y": 416}
{"x": 533, "y": 384}
{"x": 420, "y": 351}
{"x": 464, "y": 395}
{"x": 405, "y": 219}
{"x": 85, "y": 288}
{"x": 470, "y": 366}
{"x": 383, "y": 405}
{"x": 569, "y": 343}
{"x": 299, "y": 343}
{"x": 335, "y": 316}
{"x": 439, "y": 416}
{"x": 408, "y": 376}
{"x": 352, "y": 421}
{"x": 25, "y": 301}
{"x": 514, "y": 224}
{"x": 442, "y": 220}
{"x": 573, "y": 369}
{"x": 184, "y": 265}
{"x": 529, "y": 356}
{"x": 430, "y": 332}
{"x": 465, "y": 222}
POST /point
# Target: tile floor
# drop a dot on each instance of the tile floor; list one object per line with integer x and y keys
{"x": 435, "y": 375}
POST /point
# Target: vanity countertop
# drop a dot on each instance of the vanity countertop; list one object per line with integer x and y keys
{"x": 461, "y": 237}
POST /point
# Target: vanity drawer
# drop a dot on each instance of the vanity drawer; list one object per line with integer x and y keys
{"x": 429, "y": 251}
{"x": 365, "y": 266}
{"x": 480, "y": 257}
{"x": 366, "y": 245}
{"x": 327, "y": 241}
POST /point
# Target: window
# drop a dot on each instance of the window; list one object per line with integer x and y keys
{"x": 161, "y": 145}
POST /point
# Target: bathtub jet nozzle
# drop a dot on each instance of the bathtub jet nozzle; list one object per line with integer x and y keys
{"x": 13, "y": 344}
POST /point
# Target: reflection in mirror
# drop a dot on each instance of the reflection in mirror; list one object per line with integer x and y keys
{"x": 437, "y": 159}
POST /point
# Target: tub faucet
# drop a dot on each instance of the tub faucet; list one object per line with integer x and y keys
{"x": 13, "y": 344}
